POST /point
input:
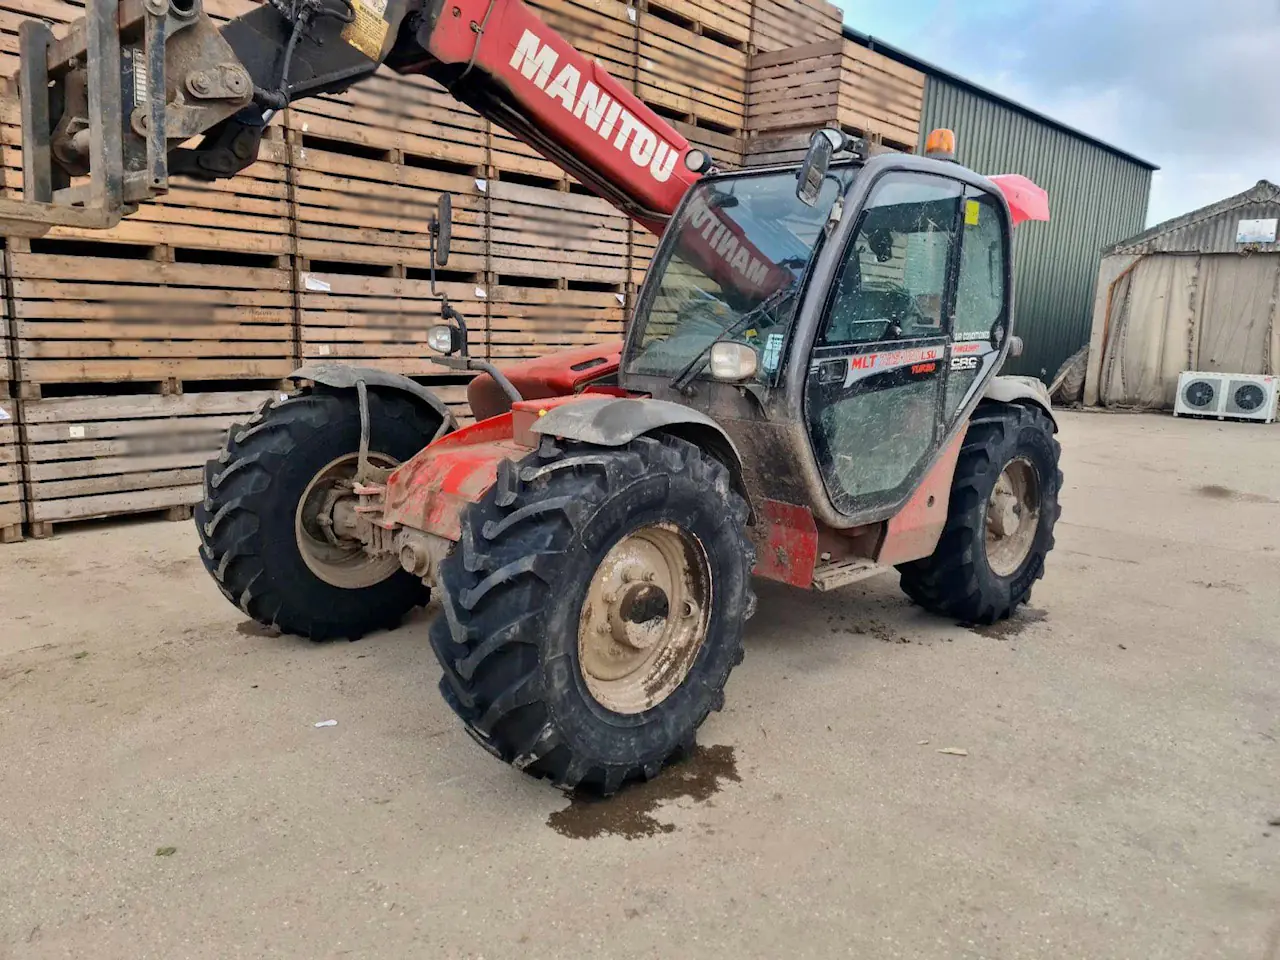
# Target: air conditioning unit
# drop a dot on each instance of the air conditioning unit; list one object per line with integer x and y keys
{"x": 1234, "y": 396}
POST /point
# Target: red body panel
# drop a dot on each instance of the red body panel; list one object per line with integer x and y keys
{"x": 558, "y": 374}
{"x": 1026, "y": 200}
{"x": 429, "y": 492}
{"x": 913, "y": 532}
{"x": 787, "y": 547}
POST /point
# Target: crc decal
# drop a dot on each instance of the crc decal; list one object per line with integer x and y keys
{"x": 964, "y": 363}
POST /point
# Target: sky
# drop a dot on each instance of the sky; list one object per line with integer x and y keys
{"x": 1190, "y": 85}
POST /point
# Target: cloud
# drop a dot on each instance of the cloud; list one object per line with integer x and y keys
{"x": 1187, "y": 84}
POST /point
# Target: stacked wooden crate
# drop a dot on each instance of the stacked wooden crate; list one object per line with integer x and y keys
{"x": 12, "y": 512}
{"x": 795, "y": 90}
{"x": 368, "y": 167}
{"x": 783, "y": 24}
{"x": 693, "y": 70}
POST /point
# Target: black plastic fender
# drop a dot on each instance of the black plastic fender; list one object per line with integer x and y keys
{"x": 616, "y": 421}
{"x": 341, "y": 376}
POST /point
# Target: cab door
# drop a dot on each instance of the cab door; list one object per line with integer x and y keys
{"x": 874, "y": 399}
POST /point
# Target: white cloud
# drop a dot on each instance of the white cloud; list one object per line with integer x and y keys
{"x": 1187, "y": 84}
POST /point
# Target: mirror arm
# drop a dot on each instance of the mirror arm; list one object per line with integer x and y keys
{"x": 435, "y": 229}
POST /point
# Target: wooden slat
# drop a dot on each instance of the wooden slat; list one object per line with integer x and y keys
{"x": 81, "y": 319}
{"x": 375, "y": 211}
{"x": 100, "y": 456}
{"x": 778, "y": 24}
{"x": 540, "y": 232}
{"x": 530, "y": 321}
{"x": 381, "y": 321}
{"x": 685, "y": 72}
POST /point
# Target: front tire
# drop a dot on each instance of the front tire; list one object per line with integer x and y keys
{"x": 258, "y": 538}
{"x": 1004, "y": 505}
{"x": 564, "y": 635}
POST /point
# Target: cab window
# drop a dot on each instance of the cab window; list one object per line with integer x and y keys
{"x": 893, "y": 282}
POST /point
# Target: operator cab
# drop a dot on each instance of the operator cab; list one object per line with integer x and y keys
{"x": 846, "y": 316}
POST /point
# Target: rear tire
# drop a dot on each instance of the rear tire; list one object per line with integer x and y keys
{"x": 971, "y": 575}
{"x": 512, "y": 626}
{"x": 247, "y": 521}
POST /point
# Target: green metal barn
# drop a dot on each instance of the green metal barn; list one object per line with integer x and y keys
{"x": 1098, "y": 194}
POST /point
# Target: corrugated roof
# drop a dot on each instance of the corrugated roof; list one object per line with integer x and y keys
{"x": 924, "y": 66}
{"x": 1211, "y": 229}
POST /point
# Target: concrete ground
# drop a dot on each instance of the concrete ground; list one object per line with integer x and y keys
{"x": 166, "y": 793}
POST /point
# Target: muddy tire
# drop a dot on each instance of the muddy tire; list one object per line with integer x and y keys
{"x": 1004, "y": 504}
{"x": 521, "y": 592}
{"x": 249, "y": 539}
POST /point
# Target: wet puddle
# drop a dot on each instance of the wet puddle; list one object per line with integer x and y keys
{"x": 630, "y": 813}
{"x": 1217, "y": 492}
{"x": 1011, "y": 628}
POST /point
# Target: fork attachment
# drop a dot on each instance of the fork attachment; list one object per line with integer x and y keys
{"x": 103, "y": 105}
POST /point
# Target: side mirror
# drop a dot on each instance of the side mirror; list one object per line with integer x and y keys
{"x": 442, "y": 228}
{"x": 813, "y": 172}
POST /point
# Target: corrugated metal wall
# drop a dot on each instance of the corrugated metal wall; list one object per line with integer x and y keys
{"x": 1212, "y": 234}
{"x": 1097, "y": 197}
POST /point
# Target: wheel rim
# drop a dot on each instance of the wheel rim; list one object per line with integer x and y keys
{"x": 1013, "y": 517}
{"x": 644, "y": 618}
{"x": 338, "y": 561}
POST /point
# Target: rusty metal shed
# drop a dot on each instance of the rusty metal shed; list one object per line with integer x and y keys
{"x": 1198, "y": 292}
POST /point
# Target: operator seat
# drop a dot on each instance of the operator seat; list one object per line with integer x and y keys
{"x": 861, "y": 314}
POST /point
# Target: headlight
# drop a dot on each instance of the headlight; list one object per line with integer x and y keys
{"x": 732, "y": 361}
{"x": 697, "y": 161}
{"x": 444, "y": 338}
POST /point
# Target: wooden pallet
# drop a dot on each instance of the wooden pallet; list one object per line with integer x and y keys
{"x": 555, "y": 234}
{"x": 795, "y": 91}
{"x": 689, "y": 75}
{"x": 530, "y": 321}
{"x": 86, "y": 457}
{"x": 376, "y": 319}
{"x": 368, "y": 210}
{"x": 93, "y": 319}
{"x": 779, "y": 24}
{"x": 12, "y": 511}
{"x": 603, "y": 30}
{"x": 402, "y": 119}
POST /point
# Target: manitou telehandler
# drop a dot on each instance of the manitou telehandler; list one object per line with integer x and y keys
{"x": 807, "y": 391}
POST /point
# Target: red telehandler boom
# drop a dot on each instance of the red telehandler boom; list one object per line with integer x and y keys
{"x": 808, "y": 389}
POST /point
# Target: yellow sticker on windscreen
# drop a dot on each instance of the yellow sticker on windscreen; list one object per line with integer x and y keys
{"x": 368, "y": 31}
{"x": 972, "y": 211}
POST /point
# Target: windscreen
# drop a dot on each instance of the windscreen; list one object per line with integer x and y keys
{"x": 731, "y": 267}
